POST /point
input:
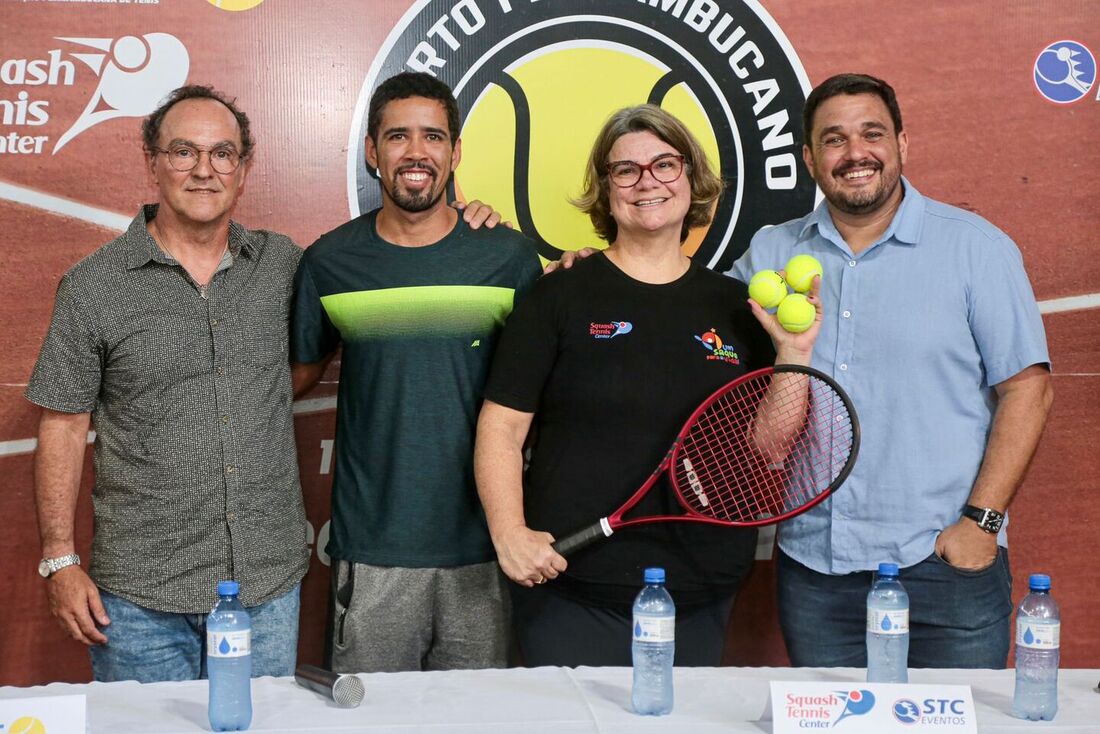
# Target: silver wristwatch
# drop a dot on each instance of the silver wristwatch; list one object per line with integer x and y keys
{"x": 49, "y": 566}
{"x": 988, "y": 519}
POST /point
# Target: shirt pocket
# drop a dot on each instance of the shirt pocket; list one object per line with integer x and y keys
{"x": 263, "y": 327}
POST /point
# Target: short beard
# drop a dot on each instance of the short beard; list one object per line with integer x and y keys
{"x": 867, "y": 201}
{"x": 414, "y": 202}
{"x": 861, "y": 205}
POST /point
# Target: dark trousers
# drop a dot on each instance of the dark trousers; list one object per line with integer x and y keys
{"x": 957, "y": 619}
{"x": 555, "y": 630}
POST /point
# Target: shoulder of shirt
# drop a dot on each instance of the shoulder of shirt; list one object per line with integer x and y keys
{"x": 348, "y": 234}
{"x": 108, "y": 259}
{"x": 782, "y": 234}
{"x": 501, "y": 239}
{"x": 583, "y": 269}
{"x": 273, "y": 243}
{"x": 564, "y": 280}
{"x": 721, "y": 280}
{"x": 964, "y": 221}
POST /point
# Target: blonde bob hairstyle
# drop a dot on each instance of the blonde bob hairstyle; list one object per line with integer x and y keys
{"x": 594, "y": 200}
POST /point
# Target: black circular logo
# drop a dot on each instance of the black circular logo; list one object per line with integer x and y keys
{"x": 535, "y": 81}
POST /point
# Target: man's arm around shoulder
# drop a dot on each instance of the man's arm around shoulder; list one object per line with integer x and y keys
{"x": 304, "y": 376}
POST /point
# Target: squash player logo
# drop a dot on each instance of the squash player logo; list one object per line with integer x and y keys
{"x": 135, "y": 74}
{"x": 1064, "y": 71}
{"x": 535, "y": 81}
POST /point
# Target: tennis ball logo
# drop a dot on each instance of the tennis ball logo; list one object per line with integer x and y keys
{"x": 535, "y": 82}
{"x": 548, "y": 147}
{"x": 27, "y": 725}
{"x": 234, "y": 5}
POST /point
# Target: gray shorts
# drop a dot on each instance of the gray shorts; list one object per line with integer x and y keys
{"x": 389, "y": 619}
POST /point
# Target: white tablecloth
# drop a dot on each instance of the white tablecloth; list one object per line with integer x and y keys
{"x": 542, "y": 700}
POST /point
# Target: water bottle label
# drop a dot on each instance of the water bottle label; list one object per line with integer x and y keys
{"x": 654, "y": 629}
{"x": 229, "y": 644}
{"x": 1045, "y": 636}
{"x": 888, "y": 621}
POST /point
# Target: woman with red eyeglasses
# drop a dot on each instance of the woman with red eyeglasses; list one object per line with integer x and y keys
{"x": 602, "y": 363}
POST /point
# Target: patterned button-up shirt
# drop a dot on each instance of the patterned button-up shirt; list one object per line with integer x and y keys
{"x": 196, "y": 475}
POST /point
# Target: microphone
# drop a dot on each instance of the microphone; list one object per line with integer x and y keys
{"x": 346, "y": 690}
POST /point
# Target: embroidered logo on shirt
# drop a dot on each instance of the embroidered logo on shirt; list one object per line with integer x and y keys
{"x": 718, "y": 351}
{"x": 609, "y": 330}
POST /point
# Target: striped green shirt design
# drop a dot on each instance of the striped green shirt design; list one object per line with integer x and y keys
{"x": 419, "y": 312}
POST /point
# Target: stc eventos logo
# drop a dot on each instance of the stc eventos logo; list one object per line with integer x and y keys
{"x": 135, "y": 73}
{"x": 939, "y": 712}
{"x": 823, "y": 712}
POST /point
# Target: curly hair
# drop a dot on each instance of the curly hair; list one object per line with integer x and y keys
{"x": 411, "y": 84}
{"x": 150, "y": 127}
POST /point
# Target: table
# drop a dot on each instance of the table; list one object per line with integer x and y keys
{"x": 540, "y": 701}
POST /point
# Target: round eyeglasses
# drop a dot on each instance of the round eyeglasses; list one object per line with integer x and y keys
{"x": 183, "y": 158}
{"x": 665, "y": 169}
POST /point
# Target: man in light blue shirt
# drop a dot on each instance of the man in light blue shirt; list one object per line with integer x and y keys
{"x": 932, "y": 328}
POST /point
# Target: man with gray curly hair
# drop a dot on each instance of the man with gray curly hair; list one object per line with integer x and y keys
{"x": 171, "y": 342}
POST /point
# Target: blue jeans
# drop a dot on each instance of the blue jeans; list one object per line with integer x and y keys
{"x": 957, "y": 619}
{"x": 149, "y": 646}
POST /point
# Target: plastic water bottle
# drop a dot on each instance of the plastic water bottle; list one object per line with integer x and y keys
{"x": 654, "y": 646}
{"x": 887, "y": 628}
{"x": 1038, "y": 629}
{"x": 229, "y": 661}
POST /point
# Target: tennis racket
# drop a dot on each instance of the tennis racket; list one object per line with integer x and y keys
{"x": 769, "y": 445}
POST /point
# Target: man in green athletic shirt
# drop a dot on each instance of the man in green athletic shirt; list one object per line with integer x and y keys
{"x": 417, "y": 299}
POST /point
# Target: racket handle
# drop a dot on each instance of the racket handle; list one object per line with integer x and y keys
{"x": 572, "y": 543}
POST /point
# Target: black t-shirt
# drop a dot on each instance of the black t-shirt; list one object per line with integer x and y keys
{"x": 612, "y": 367}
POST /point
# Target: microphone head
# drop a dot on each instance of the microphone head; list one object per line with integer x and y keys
{"x": 348, "y": 691}
{"x": 345, "y": 690}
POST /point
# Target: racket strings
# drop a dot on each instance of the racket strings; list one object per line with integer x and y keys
{"x": 764, "y": 449}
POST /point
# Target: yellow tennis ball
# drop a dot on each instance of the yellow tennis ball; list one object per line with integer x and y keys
{"x": 27, "y": 725}
{"x": 767, "y": 288}
{"x": 800, "y": 271}
{"x": 796, "y": 313}
{"x": 550, "y": 141}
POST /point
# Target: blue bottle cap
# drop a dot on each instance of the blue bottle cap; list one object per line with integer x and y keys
{"x": 887, "y": 569}
{"x": 228, "y": 588}
{"x": 1039, "y": 582}
{"x": 654, "y": 575}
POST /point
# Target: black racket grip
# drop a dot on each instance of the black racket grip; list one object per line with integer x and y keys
{"x": 572, "y": 543}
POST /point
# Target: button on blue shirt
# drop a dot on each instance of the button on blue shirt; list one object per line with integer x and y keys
{"x": 918, "y": 329}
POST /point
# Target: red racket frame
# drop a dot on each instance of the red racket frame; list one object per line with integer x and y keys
{"x": 605, "y": 527}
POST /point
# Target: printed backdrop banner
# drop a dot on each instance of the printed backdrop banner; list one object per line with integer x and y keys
{"x": 1000, "y": 103}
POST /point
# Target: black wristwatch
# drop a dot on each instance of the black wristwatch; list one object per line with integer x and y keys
{"x": 987, "y": 519}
